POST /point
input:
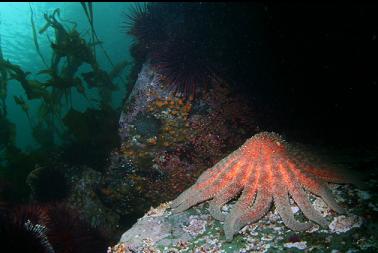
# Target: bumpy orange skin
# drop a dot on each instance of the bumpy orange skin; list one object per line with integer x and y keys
{"x": 266, "y": 170}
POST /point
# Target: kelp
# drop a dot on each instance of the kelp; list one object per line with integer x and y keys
{"x": 44, "y": 135}
{"x": 51, "y": 106}
{"x": 33, "y": 88}
{"x": 89, "y": 13}
{"x": 48, "y": 19}
{"x": 90, "y": 136}
{"x": 78, "y": 125}
{"x": 35, "y": 36}
{"x": 1, "y": 51}
{"x": 73, "y": 137}
{"x": 24, "y": 106}
{"x": 3, "y": 84}
{"x": 83, "y": 137}
{"x": 118, "y": 69}
{"x": 15, "y": 170}
{"x": 7, "y": 133}
{"x": 3, "y": 96}
{"x": 68, "y": 45}
{"x": 3, "y": 91}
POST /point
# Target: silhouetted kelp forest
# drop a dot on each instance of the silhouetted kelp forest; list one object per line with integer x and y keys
{"x": 63, "y": 134}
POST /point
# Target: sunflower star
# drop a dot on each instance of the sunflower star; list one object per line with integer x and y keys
{"x": 265, "y": 169}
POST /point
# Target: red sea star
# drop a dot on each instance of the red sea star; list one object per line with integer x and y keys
{"x": 265, "y": 169}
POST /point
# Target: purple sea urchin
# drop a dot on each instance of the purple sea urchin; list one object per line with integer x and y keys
{"x": 22, "y": 230}
{"x": 183, "y": 65}
{"x": 67, "y": 232}
{"x": 169, "y": 36}
{"x": 145, "y": 25}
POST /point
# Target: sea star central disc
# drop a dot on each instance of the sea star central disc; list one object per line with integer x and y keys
{"x": 265, "y": 169}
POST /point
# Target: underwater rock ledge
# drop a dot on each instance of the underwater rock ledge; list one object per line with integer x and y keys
{"x": 196, "y": 231}
{"x": 168, "y": 140}
{"x": 203, "y": 129}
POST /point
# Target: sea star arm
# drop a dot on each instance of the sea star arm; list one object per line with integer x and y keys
{"x": 210, "y": 174}
{"x": 297, "y": 193}
{"x": 253, "y": 194}
{"x": 327, "y": 175}
{"x": 222, "y": 198}
{"x": 316, "y": 186}
{"x": 314, "y": 165}
{"x": 207, "y": 188}
{"x": 282, "y": 203}
{"x": 206, "y": 180}
{"x": 236, "y": 220}
{"x": 246, "y": 175}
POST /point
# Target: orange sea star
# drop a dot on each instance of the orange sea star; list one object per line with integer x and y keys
{"x": 265, "y": 169}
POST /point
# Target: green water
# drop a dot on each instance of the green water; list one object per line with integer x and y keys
{"x": 18, "y": 47}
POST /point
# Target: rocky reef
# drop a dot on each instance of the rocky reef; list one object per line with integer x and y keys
{"x": 168, "y": 140}
{"x": 196, "y": 231}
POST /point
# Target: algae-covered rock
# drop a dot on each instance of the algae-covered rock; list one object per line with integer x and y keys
{"x": 170, "y": 139}
{"x": 84, "y": 199}
{"x": 196, "y": 231}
